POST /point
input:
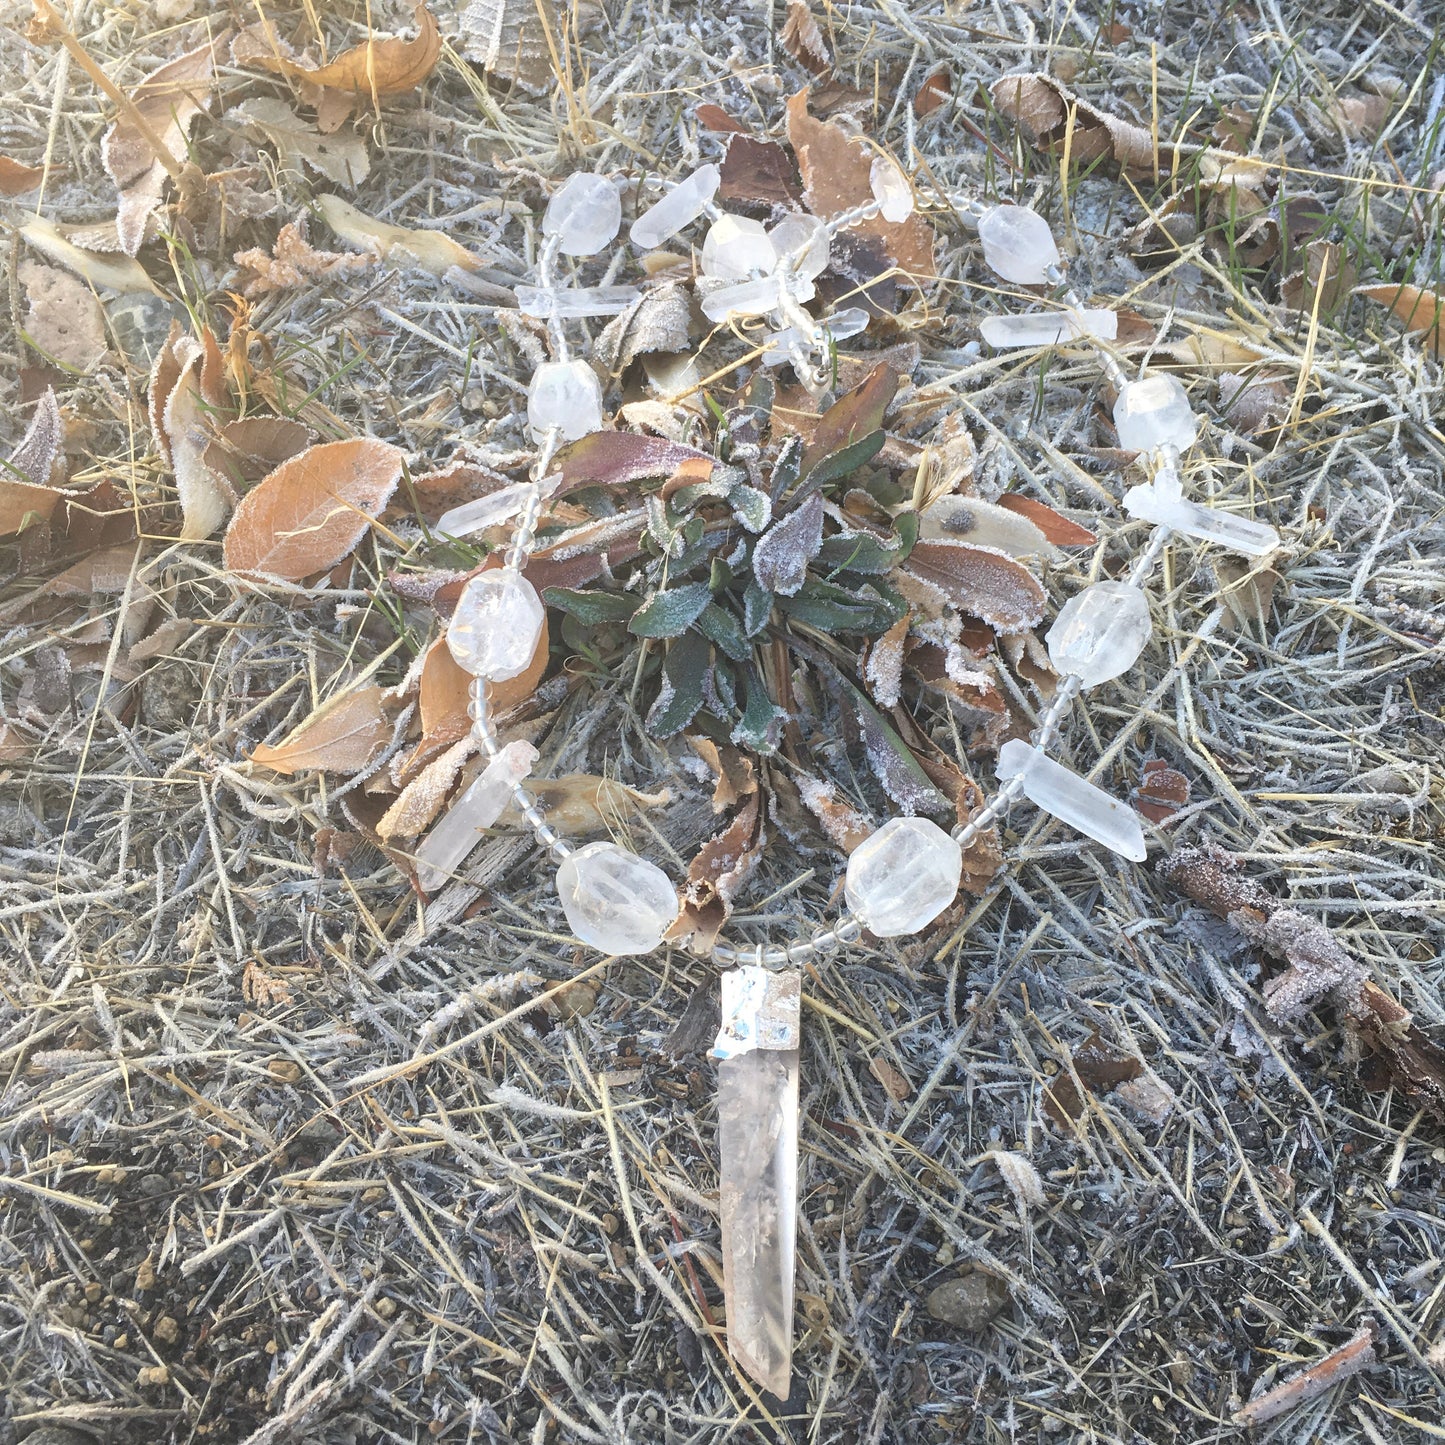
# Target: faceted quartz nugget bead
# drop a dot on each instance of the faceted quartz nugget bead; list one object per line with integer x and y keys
{"x": 1017, "y": 244}
{"x": 567, "y": 395}
{"x": 735, "y": 247}
{"x": 497, "y": 624}
{"x": 584, "y": 215}
{"x": 614, "y": 900}
{"x": 891, "y": 190}
{"x": 1153, "y": 413}
{"x": 1100, "y": 632}
{"x": 903, "y": 876}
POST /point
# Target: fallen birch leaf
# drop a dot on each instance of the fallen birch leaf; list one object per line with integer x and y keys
{"x": 63, "y": 319}
{"x": 26, "y": 499}
{"x": 341, "y": 158}
{"x": 989, "y": 585}
{"x": 114, "y": 273}
{"x": 293, "y": 261}
{"x": 168, "y": 101}
{"x": 342, "y": 736}
{"x": 16, "y": 179}
{"x": 432, "y": 251}
{"x": 313, "y": 509}
{"x": 391, "y": 66}
{"x": 1417, "y": 309}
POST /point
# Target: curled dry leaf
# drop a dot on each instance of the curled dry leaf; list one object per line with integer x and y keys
{"x": 244, "y": 451}
{"x": 989, "y": 585}
{"x": 168, "y": 101}
{"x": 1418, "y": 310}
{"x": 26, "y": 498}
{"x": 391, "y": 66}
{"x": 895, "y": 1081}
{"x": 341, "y": 158}
{"x": 422, "y": 798}
{"x": 16, "y": 179}
{"x": 582, "y": 803}
{"x": 835, "y": 168}
{"x": 313, "y": 509}
{"x": 1057, "y": 528}
{"x": 432, "y": 251}
{"x": 186, "y": 393}
{"x": 733, "y": 770}
{"x": 714, "y": 876}
{"x": 343, "y": 735}
{"x": 803, "y": 40}
{"x": 294, "y": 261}
{"x": 111, "y": 273}
{"x": 844, "y": 826}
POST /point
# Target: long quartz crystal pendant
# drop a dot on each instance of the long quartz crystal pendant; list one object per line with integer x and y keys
{"x": 758, "y": 1192}
{"x": 1073, "y": 800}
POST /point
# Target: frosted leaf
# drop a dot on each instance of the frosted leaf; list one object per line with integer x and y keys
{"x": 780, "y": 560}
{"x": 884, "y": 673}
{"x": 1021, "y": 1177}
{"x": 982, "y": 524}
{"x": 982, "y": 581}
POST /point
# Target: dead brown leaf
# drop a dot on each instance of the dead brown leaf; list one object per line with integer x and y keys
{"x": 934, "y": 92}
{"x": 720, "y": 868}
{"x": 843, "y": 825}
{"x": 313, "y": 509}
{"x": 113, "y": 273}
{"x": 294, "y": 261}
{"x": 1057, "y": 528}
{"x": 1327, "y": 273}
{"x": 391, "y": 66}
{"x": 1162, "y": 790}
{"x": 16, "y": 179}
{"x": 853, "y": 416}
{"x": 733, "y": 770}
{"x": 432, "y": 251}
{"x": 63, "y": 318}
{"x": 987, "y": 585}
{"x": 758, "y": 170}
{"x": 835, "y": 169}
{"x": 245, "y": 450}
{"x": 342, "y": 736}
{"x": 1418, "y": 310}
{"x": 26, "y": 497}
{"x": 1247, "y": 590}
{"x": 718, "y": 121}
{"x": 803, "y": 40}
{"x": 895, "y": 1082}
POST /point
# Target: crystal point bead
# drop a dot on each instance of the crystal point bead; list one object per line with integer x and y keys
{"x": 1100, "y": 632}
{"x": 1048, "y": 328}
{"x": 839, "y": 327}
{"x": 1017, "y": 244}
{"x": 903, "y": 876}
{"x": 567, "y": 301}
{"x": 497, "y": 624}
{"x": 483, "y": 512}
{"x": 680, "y": 207}
{"x": 564, "y": 394}
{"x": 1155, "y": 412}
{"x": 1166, "y": 508}
{"x": 748, "y": 298}
{"x": 1073, "y": 800}
{"x": 614, "y": 900}
{"x": 736, "y": 247}
{"x": 458, "y": 830}
{"x": 891, "y": 190}
{"x": 584, "y": 215}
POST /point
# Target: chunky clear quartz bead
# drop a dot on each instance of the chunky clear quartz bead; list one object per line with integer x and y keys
{"x": 891, "y": 190}
{"x": 735, "y": 247}
{"x": 1072, "y": 799}
{"x": 567, "y": 395}
{"x": 614, "y": 900}
{"x": 1100, "y": 632}
{"x": 903, "y": 876}
{"x": 459, "y": 829}
{"x": 1046, "y": 328}
{"x": 497, "y": 624}
{"x": 567, "y": 301}
{"x": 680, "y": 207}
{"x": 805, "y": 239}
{"x": 1155, "y": 412}
{"x": 584, "y": 215}
{"x": 1017, "y": 244}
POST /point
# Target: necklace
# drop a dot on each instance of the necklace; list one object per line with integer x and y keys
{"x": 906, "y": 873}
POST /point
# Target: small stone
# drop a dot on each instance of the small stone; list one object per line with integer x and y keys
{"x": 891, "y": 190}
{"x": 566, "y": 302}
{"x": 680, "y": 207}
{"x": 459, "y": 829}
{"x": 567, "y": 395}
{"x": 167, "y": 1330}
{"x": 904, "y": 875}
{"x": 968, "y": 1303}
{"x": 1155, "y": 412}
{"x": 1048, "y": 328}
{"x": 1073, "y": 800}
{"x": 614, "y": 900}
{"x": 150, "y": 1375}
{"x": 806, "y": 240}
{"x": 153, "y": 1185}
{"x": 1100, "y": 632}
{"x": 145, "y": 1275}
{"x": 737, "y": 248}
{"x": 584, "y": 215}
{"x": 1017, "y": 244}
{"x": 498, "y": 619}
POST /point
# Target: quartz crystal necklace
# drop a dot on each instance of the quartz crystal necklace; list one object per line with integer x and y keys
{"x": 908, "y": 871}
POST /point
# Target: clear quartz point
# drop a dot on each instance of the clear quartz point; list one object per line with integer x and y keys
{"x": 1048, "y": 328}
{"x": 483, "y": 512}
{"x": 839, "y": 327}
{"x": 1100, "y": 632}
{"x": 459, "y": 829}
{"x": 680, "y": 207}
{"x": 750, "y": 298}
{"x": 757, "y": 1105}
{"x": 564, "y": 394}
{"x": 1071, "y": 799}
{"x": 736, "y": 248}
{"x": 584, "y": 215}
{"x": 563, "y": 302}
{"x": 904, "y": 875}
{"x": 1153, "y": 413}
{"x": 614, "y": 900}
{"x": 497, "y": 624}
{"x": 1162, "y": 503}
{"x": 891, "y": 190}
{"x": 806, "y": 240}
{"x": 1017, "y": 244}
